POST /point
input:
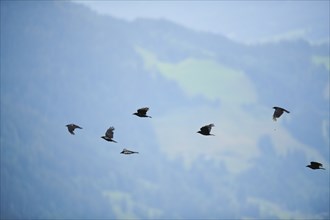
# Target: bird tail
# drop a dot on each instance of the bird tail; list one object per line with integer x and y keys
{"x": 274, "y": 118}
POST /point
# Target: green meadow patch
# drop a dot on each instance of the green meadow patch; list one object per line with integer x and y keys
{"x": 204, "y": 77}
{"x": 322, "y": 60}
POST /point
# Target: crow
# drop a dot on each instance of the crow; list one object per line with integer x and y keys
{"x": 315, "y": 165}
{"x": 205, "y": 130}
{"x": 71, "y": 128}
{"x": 142, "y": 112}
{"x": 109, "y": 135}
{"x": 278, "y": 112}
{"x": 125, "y": 151}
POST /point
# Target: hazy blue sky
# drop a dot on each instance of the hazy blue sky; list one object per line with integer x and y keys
{"x": 245, "y": 21}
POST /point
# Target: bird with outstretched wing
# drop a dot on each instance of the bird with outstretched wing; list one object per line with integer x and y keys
{"x": 109, "y": 135}
{"x": 205, "y": 130}
{"x": 125, "y": 151}
{"x": 278, "y": 112}
{"x": 315, "y": 165}
{"x": 71, "y": 128}
{"x": 142, "y": 112}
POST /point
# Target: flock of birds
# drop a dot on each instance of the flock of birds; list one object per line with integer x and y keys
{"x": 205, "y": 130}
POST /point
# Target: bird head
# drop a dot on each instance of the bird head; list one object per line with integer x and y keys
{"x": 134, "y": 113}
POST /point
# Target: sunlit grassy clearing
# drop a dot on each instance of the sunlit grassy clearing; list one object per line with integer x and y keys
{"x": 204, "y": 77}
{"x": 322, "y": 60}
{"x": 124, "y": 206}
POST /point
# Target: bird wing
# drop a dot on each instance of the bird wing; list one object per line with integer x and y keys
{"x": 206, "y": 128}
{"x": 210, "y": 127}
{"x": 316, "y": 164}
{"x": 286, "y": 110}
{"x": 109, "y": 132}
{"x": 143, "y": 111}
{"x": 125, "y": 151}
{"x": 277, "y": 113}
{"x": 71, "y": 129}
{"x": 76, "y": 126}
{"x": 281, "y": 109}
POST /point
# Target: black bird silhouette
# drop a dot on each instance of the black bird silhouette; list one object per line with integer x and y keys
{"x": 71, "y": 128}
{"x": 315, "y": 165}
{"x": 109, "y": 135}
{"x": 142, "y": 112}
{"x": 205, "y": 130}
{"x": 125, "y": 151}
{"x": 278, "y": 112}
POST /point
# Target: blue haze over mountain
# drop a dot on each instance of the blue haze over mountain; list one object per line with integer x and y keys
{"x": 63, "y": 63}
{"x": 243, "y": 21}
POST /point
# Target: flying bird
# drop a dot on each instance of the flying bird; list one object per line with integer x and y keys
{"x": 205, "y": 130}
{"x": 125, "y": 151}
{"x": 71, "y": 128}
{"x": 109, "y": 135}
{"x": 278, "y": 112}
{"x": 142, "y": 112}
{"x": 315, "y": 165}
